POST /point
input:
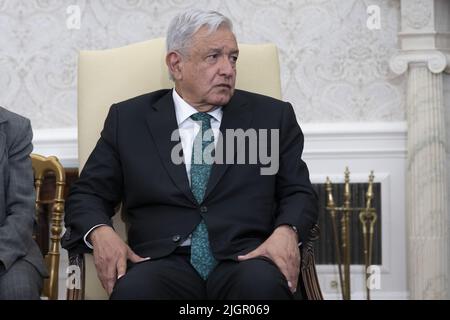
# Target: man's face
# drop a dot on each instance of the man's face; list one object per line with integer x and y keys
{"x": 208, "y": 71}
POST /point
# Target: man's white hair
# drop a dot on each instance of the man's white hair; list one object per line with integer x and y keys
{"x": 183, "y": 27}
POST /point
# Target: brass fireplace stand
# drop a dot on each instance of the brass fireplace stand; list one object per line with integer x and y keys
{"x": 367, "y": 218}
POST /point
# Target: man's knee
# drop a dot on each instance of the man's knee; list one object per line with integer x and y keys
{"x": 136, "y": 285}
{"x": 257, "y": 279}
{"x": 163, "y": 279}
{"x": 262, "y": 274}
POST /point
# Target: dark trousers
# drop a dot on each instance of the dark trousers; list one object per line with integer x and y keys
{"x": 173, "y": 278}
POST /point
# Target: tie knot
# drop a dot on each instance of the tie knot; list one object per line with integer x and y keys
{"x": 201, "y": 116}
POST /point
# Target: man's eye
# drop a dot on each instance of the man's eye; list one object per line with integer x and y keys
{"x": 212, "y": 56}
{"x": 234, "y": 58}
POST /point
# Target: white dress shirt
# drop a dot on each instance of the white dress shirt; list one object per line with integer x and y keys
{"x": 188, "y": 129}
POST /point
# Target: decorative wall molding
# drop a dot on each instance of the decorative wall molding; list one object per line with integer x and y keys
{"x": 424, "y": 36}
{"x": 436, "y": 61}
{"x": 60, "y": 142}
{"x": 356, "y": 140}
{"x": 418, "y": 13}
{"x": 322, "y": 141}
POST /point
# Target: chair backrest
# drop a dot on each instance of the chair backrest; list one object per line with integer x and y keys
{"x": 109, "y": 76}
{"x": 49, "y": 241}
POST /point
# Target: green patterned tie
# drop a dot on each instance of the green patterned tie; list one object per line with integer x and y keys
{"x": 201, "y": 256}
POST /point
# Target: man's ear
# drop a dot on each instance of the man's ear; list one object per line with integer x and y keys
{"x": 175, "y": 64}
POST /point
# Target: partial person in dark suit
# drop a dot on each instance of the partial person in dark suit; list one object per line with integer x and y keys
{"x": 197, "y": 230}
{"x": 21, "y": 264}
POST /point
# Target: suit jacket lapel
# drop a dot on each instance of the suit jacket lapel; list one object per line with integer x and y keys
{"x": 236, "y": 115}
{"x": 162, "y": 123}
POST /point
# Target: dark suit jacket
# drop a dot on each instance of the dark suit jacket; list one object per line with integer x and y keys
{"x": 17, "y": 196}
{"x": 131, "y": 163}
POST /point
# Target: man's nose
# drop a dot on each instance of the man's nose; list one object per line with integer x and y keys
{"x": 227, "y": 67}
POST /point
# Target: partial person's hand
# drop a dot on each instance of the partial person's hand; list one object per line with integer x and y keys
{"x": 110, "y": 256}
{"x": 282, "y": 248}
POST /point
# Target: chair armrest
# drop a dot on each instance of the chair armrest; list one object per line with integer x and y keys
{"x": 76, "y": 277}
{"x": 308, "y": 275}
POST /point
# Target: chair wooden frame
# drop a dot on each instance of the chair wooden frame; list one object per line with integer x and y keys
{"x": 41, "y": 166}
{"x": 308, "y": 281}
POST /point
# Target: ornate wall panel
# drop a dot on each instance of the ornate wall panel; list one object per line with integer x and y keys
{"x": 333, "y": 67}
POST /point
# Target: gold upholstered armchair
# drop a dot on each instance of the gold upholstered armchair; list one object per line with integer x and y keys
{"x": 109, "y": 76}
{"x": 49, "y": 226}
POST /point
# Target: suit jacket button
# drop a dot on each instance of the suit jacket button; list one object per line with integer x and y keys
{"x": 203, "y": 209}
{"x": 176, "y": 238}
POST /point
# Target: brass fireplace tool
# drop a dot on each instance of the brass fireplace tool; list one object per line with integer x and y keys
{"x": 367, "y": 218}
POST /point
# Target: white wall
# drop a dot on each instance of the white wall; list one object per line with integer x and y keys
{"x": 333, "y": 67}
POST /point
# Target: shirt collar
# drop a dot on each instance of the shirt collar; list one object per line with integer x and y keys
{"x": 183, "y": 110}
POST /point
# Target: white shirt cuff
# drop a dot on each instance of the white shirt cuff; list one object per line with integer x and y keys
{"x": 88, "y": 244}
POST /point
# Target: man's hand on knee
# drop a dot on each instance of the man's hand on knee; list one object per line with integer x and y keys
{"x": 110, "y": 255}
{"x": 282, "y": 248}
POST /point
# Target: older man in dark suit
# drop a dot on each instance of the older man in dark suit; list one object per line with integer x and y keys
{"x": 21, "y": 263}
{"x": 198, "y": 229}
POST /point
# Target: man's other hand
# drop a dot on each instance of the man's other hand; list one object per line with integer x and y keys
{"x": 282, "y": 248}
{"x": 110, "y": 256}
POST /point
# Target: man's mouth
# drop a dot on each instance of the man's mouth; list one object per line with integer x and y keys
{"x": 224, "y": 85}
